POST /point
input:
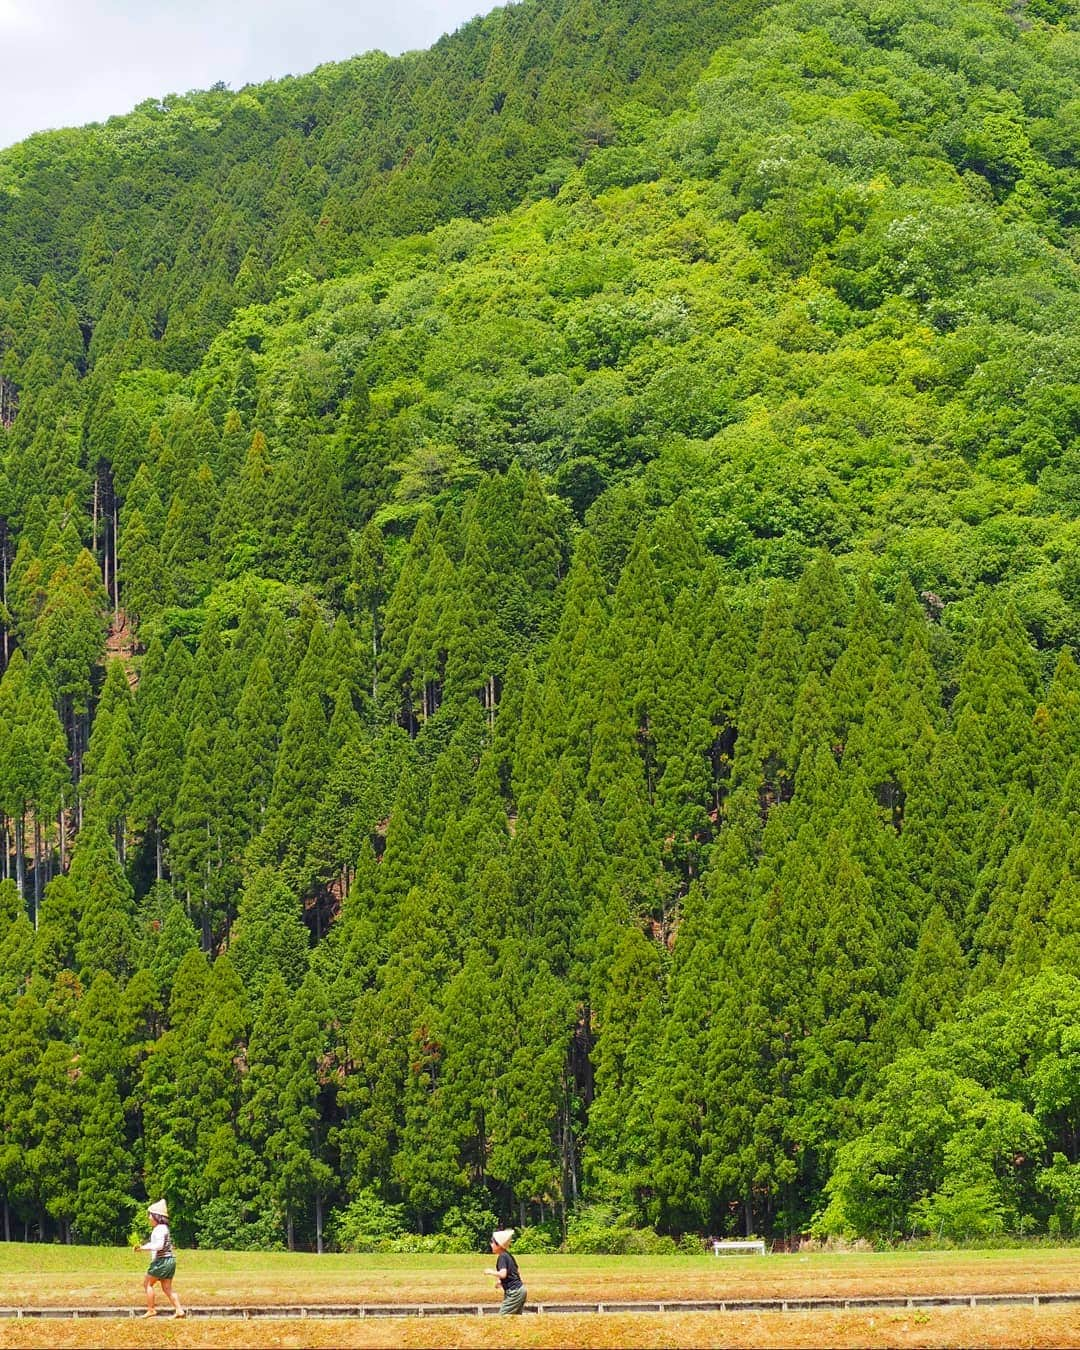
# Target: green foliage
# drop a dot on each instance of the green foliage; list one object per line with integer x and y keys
{"x": 472, "y": 1220}
{"x": 270, "y": 936}
{"x": 435, "y": 1243}
{"x": 366, "y": 1224}
{"x": 600, "y": 1230}
{"x": 961, "y": 1210}
{"x": 537, "y": 1238}
{"x": 1061, "y": 1182}
{"x": 223, "y": 1225}
{"x": 536, "y": 684}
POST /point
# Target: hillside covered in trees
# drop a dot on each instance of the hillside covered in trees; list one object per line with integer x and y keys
{"x": 540, "y": 581}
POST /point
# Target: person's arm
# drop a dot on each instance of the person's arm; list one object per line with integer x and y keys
{"x": 500, "y": 1272}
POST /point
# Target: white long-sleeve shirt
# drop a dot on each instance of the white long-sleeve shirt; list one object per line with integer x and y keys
{"x": 159, "y": 1243}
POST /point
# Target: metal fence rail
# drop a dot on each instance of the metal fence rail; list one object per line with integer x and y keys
{"x": 292, "y": 1311}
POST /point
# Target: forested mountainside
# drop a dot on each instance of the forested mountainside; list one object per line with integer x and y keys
{"x": 539, "y": 586}
{"x": 191, "y": 206}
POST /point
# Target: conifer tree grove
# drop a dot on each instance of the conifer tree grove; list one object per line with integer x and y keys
{"x": 539, "y": 607}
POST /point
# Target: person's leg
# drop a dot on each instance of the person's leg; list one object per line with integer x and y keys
{"x": 174, "y": 1299}
{"x": 148, "y": 1285}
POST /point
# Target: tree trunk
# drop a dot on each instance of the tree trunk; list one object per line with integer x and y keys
{"x": 37, "y": 869}
{"x": 6, "y": 652}
{"x": 82, "y": 727}
{"x": 318, "y": 1223}
{"x": 115, "y": 568}
{"x": 20, "y": 860}
{"x": 572, "y": 1157}
{"x": 374, "y": 660}
{"x": 46, "y": 856}
{"x": 77, "y": 748}
{"x": 289, "y": 1230}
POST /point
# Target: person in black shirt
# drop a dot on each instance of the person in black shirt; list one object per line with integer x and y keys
{"x": 506, "y": 1272}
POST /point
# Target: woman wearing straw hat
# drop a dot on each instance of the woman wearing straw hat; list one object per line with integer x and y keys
{"x": 506, "y": 1272}
{"x": 162, "y": 1260}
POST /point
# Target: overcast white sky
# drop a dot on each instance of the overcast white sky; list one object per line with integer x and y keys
{"x": 67, "y": 62}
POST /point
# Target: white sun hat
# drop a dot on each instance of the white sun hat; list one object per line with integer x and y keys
{"x": 503, "y": 1236}
{"x": 158, "y": 1207}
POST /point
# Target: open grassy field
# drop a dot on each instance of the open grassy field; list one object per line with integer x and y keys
{"x": 44, "y": 1276}
{"x": 36, "y": 1275}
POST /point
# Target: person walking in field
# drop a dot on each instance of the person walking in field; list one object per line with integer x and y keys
{"x": 162, "y": 1260}
{"x": 507, "y": 1273}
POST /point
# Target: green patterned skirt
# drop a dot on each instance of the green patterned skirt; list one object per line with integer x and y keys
{"x": 163, "y": 1268}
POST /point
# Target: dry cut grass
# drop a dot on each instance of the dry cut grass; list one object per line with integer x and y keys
{"x": 42, "y": 1276}
{"x": 999, "y": 1329}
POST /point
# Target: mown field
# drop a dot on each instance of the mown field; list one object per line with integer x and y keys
{"x": 1040, "y": 1329}
{"x": 42, "y": 1276}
